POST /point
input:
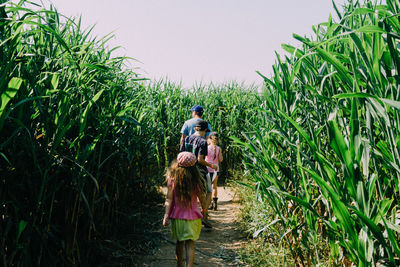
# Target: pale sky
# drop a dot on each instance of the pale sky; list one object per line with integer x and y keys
{"x": 193, "y": 41}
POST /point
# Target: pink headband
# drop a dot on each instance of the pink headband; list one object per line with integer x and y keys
{"x": 186, "y": 159}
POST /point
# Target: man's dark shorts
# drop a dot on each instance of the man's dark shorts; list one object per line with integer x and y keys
{"x": 207, "y": 179}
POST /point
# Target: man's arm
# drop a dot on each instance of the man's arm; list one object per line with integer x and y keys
{"x": 202, "y": 161}
{"x": 183, "y": 144}
{"x": 183, "y": 136}
{"x": 202, "y": 154}
{"x": 184, "y": 132}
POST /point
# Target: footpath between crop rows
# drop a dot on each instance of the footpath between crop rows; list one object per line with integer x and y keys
{"x": 216, "y": 247}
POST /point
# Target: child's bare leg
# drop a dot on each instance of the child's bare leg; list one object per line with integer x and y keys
{"x": 215, "y": 186}
{"x": 189, "y": 246}
{"x": 208, "y": 199}
{"x": 179, "y": 252}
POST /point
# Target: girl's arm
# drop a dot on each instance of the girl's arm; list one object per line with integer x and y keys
{"x": 168, "y": 202}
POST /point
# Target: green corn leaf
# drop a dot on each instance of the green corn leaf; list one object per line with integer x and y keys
{"x": 54, "y": 80}
{"x": 326, "y": 55}
{"x": 99, "y": 67}
{"x": 355, "y": 137}
{"x": 362, "y": 11}
{"x": 392, "y": 103}
{"x": 300, "y": 130}
{"x": 365, "y": 158}
{"x": 376, "y": 231}
{"x": 384, "y": 205}
{"x": 370, "y": 29}
{"x": 292, "y": 50}
{"x": 366, "y": 247}
{"x": 304, "y": 182}
{"x": 303, "y": 203}
{"x": 84, "y": 116}
{"x": 240, "y": 142}
{"x": 372, "y": 184}
{"x": 129, "y": 120}
{"x": 363, "y": 53}
{"x": 357, "y": 94}
{"x": 12, "y": 89}
{"x": 384, "y": 149}
{"x": 60, "y": 134}
{"x": 378, "y": 49}
{"x": 5, "y": 158}
{"x": 23, "y": 101}
{"x": 376, "y": 102}
{"x": 380, "y": 110}
{"x": 339, "y": 14}
{"x": 340, "y": 144}
{"x": 398, "y": 140}
{"x": 394, "y": 53}
{"x": 50, "y": 30}
{"x": 392, "y": 238}
{"x": 326, "y": 165}
{"x": 339, "y": 207}
{"x": 342, "y": 71}
{"x": 362, "y": 203}
{"x": 393, "y": 21}
{"x": 331, "y": 29}
{"x": 244, "y": 184}
{"x": 21, "y": 227}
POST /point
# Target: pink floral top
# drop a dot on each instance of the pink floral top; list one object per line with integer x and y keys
{"x": 178, "y": 209}
{"x": 213, "y": 157}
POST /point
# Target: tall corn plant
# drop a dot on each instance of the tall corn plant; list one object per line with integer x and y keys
{"x": 71, "y": 127}
{"x": 328, "y": 159}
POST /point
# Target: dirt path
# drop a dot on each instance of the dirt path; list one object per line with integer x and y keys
{"x": 215, "y": 247}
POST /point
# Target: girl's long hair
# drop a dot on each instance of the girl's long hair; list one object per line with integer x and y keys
{"x": 187, "y": 181}
{"x": 214, "y": 143}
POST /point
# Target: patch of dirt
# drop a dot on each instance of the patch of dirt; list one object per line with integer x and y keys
{"x": 216, "y": 247}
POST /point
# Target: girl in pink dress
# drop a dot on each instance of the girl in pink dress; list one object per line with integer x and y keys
{"x": 214, "y": 157}
{"x": 185, "y": 186}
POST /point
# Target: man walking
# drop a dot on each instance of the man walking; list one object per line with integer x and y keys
{"x": 196, "y": 144}
{"x": 188, "y": 126}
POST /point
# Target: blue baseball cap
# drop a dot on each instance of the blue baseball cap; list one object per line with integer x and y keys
{"x": 197, "y": 108}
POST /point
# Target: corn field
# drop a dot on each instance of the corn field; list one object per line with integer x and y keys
{"x": 84, "y": 141}
{"x": 325, "y": 154}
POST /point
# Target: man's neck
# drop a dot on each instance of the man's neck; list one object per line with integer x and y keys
{"x": 197, "y": 116}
